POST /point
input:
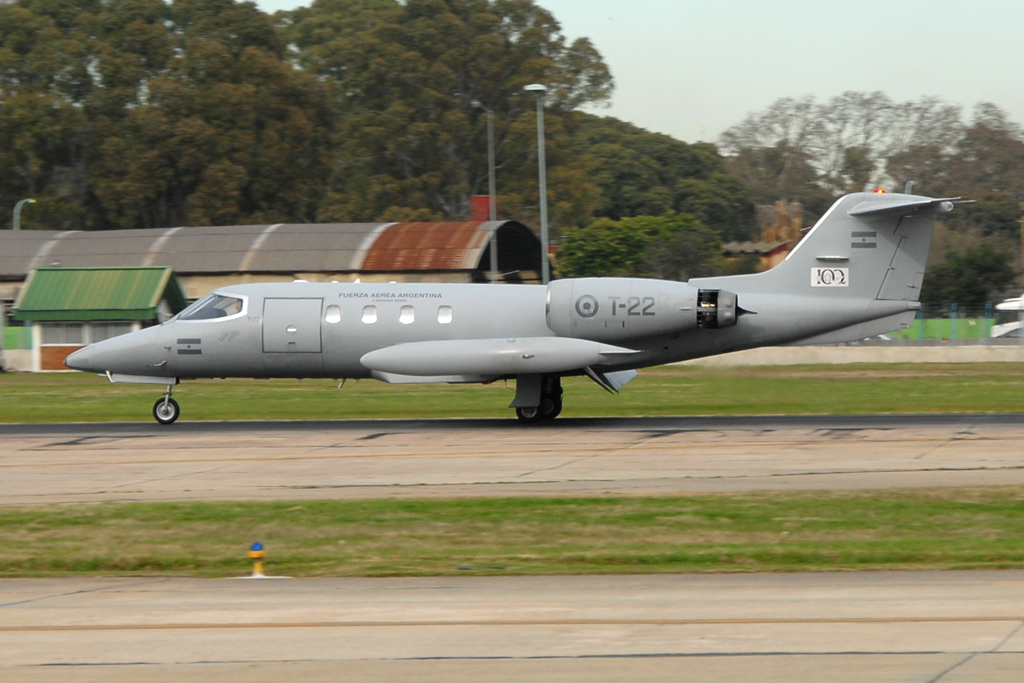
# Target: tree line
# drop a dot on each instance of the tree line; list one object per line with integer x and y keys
{"x": 815, "y": 151}
{"x": 141, "y": 114}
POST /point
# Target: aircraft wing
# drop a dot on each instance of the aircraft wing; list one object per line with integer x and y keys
{"x": 491, "y": 357}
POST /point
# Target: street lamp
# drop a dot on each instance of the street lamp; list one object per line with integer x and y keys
{"x": 492, "y": 210}
{"x": 17, "y": 212}
{"x": 540, "y": 90}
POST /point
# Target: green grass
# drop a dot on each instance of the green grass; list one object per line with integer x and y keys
{"x": 676, "y": 390}
{"x": 918, "y": 529}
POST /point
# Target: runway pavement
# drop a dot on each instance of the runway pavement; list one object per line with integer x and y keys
{"x": 881, "y": 626}
{"x": 451, "y": 458}
{"x": 951, "y": 626}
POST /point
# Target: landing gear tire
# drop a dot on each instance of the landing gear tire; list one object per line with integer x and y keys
{"x": 166, "y": 411}
{"x": 550, "y": 407}
{"x": 529, "y": 415}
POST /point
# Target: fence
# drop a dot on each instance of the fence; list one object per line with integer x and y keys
{"x": 956, "y": 325}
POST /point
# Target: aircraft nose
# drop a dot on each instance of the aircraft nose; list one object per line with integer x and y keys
{"x": 131, "y": 354}
{"x": 82, "y": 359}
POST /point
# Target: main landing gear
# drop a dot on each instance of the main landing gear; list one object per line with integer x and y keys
{"x": 166, "y": 410}
{"x": 550, "y": 403}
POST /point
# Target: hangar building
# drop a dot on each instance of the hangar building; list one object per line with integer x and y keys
{"x": 204, "y": 258}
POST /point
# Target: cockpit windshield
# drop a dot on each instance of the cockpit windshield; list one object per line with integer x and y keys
{"x": 213, "y": 307}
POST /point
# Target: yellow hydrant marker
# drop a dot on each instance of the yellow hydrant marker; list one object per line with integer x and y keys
{"x": 257, "y": 554}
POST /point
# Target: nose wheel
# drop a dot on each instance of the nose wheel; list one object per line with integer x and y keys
{"x": 166, "y": 410}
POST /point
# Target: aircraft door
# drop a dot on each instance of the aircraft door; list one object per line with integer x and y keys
{"x": 291, "y": 338}
{"x": 291, "y": 325}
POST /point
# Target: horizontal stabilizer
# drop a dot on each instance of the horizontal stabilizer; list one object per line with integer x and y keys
{"x": 880, "y": 207}
{"x": 491, "y": 357}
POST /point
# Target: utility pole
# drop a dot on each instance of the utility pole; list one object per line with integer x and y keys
{"x": 492, "y": 209}
{"x": 1022, "y": 250}
{"x": 542, "y": 170}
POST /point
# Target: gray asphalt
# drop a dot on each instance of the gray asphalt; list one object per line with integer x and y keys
{"x": 78, "y": 463}
{"x": 681, "y": 423}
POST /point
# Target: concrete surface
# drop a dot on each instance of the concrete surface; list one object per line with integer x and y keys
{"x": 954, "y": 626}
{"x": 451, "y": 458}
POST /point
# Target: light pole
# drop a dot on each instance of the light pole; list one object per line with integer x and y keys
{"x": 540, "y": 90}
{"x": 17, "y": 212}
{"x": 492, "y": 209}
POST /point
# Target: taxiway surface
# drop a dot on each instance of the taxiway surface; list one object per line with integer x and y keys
{"x": 456, "y": 458}
{"x": 881, "y": 626}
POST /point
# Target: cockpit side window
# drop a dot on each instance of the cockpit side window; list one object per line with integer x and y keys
{"x": 214, "y": 307}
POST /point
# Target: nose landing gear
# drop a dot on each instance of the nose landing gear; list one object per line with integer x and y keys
{"x": 166, "y": 410}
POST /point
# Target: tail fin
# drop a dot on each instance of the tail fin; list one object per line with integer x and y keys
{"x": 867, "y": 246}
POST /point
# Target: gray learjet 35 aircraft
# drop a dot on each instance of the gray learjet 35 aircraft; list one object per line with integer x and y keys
{"x": 856, "y": 274}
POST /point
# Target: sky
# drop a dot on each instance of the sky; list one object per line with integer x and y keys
{"x": 692, "y": 69}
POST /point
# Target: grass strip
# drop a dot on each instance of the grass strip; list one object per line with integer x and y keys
{"x": 674, "y": 390}
{"x": 903, "y": 529}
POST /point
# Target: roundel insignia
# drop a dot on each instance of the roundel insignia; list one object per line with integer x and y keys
{"x": 586, "y": 306}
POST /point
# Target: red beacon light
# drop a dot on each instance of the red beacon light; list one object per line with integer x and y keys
{"x": 879, "y": 191}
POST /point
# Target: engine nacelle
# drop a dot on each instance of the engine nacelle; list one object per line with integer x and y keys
{"x": 716, "y": 308}
{"x": 614, "y": 309}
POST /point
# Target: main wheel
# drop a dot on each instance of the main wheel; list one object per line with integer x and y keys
{"x": 550, "y": 407}
{"x": 556, "y": 410}
{"x": 529, "y": 415}
{"x": 166, "y": 411}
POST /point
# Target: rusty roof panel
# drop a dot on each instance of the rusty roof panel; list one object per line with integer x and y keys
{"x": 422, "y": 246}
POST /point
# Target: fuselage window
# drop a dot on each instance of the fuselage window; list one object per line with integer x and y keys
{"x": 444, "y": 315}
{"x": 407, "y": 316}
{"x": 369, "y": 315}
{"x": 213, "y": 307}
{"x": 333, "y": 315}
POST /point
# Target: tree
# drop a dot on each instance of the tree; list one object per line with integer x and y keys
{"x": 137, "y": 113}
{"x": 969, "y": 277}
{"x": 773, "y": 154}
{"x": 226, "y": 133}
{"x": 673, "y": 246}
{"x": 642, "y": 173}
{"x": 813, "y": 152}
{"x": 404, "y": 83}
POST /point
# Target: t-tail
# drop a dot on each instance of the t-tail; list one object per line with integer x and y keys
{"x": 857, "y": 274}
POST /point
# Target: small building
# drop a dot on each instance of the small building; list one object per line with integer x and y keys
{"x": 781, "y": 230}
{"x": 68, "y": 308}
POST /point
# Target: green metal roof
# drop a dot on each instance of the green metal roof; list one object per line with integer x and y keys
{"x": 98, "y": 294}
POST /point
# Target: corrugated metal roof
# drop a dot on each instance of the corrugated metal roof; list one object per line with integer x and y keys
{"x": 424, "y": 246}
{"x": 281, "y": 248}
{"x": 98, "y": 294}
